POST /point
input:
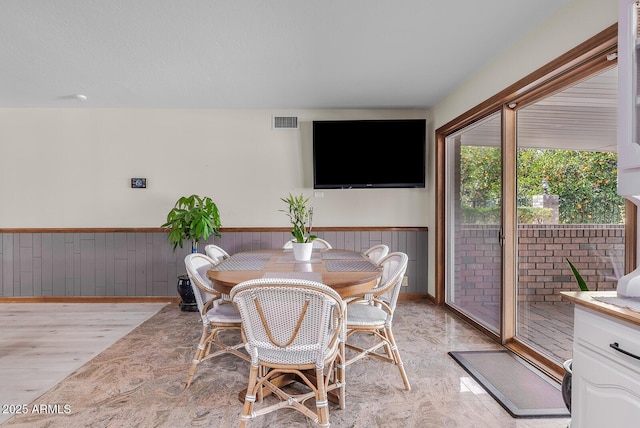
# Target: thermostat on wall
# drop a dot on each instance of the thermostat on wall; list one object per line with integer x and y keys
{"x": 138, "y": 183}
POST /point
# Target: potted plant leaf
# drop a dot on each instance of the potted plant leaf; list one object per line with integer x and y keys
{"x": 301, "y": 218}
{"x": 192, "y": 218}
{"x": 567, "y": 365}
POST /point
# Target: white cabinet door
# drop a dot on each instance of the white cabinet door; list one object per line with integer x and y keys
{"x": 628, "y": 100}
{"x": 605, "y": 395}
{"x": 605, "y": 386}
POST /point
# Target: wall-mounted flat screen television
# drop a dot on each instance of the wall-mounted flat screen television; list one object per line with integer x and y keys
{"x": 369, "y": 153}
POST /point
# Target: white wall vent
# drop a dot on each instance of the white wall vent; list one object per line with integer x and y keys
{"x": 285, "y": 122}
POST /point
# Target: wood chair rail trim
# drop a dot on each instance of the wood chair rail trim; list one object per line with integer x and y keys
{"x": 224, "y": 229}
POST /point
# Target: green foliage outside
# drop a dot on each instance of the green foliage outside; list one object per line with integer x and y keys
{"x": 483, "y": 215}
{"x": 480, "y": 170}
{"x": 585, "y": 182}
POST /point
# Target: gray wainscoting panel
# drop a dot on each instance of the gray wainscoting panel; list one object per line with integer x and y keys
{"x": 35, "y": 264}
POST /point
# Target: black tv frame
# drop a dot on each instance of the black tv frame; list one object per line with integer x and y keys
{"x": 359, "y": 154}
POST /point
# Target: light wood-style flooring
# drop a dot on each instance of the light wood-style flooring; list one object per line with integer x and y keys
{"x": 43, "y": 343}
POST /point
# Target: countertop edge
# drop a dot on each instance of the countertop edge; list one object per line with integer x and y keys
{"x": 586, "y": 299}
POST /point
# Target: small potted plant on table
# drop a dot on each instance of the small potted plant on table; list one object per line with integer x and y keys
{"x": 192, "y": 218}
{"x": 301, "y": 218}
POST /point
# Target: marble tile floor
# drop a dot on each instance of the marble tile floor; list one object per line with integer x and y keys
{"x": 42, "y": 343}
{"x": 139, "y": 382}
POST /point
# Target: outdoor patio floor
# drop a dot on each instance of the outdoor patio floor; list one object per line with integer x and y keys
{"x": 546, "y": 326}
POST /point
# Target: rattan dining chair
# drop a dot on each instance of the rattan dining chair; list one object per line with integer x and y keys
{"x": 318, "y": 243}
{"x": 217, "y": 313}
{"x": 294, "y": 331}
{"x": 216, "y": 253}
{"x": 372, "y": 314}
{"x": 377, "y": 252}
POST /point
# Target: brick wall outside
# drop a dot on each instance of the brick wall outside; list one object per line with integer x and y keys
{"x": 597, "y": 251}
{"x": 478, "y": 265}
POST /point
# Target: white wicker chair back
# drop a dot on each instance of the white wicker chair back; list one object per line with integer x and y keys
{"x": 289, "y": 321}
{"x": 197, "y": 265}
{"x": 292, "y": 326}
{"x": 318, "y": 243}
{"x": 377, "y": 252}
{"x": 216, "y": 253}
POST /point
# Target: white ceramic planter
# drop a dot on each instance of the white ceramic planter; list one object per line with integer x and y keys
{"x": 302, "y": 251}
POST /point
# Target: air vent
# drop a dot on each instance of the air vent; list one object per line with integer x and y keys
{"x": 285, "y": 122}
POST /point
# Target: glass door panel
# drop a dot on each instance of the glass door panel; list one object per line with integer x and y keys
{"x": 474, "y": 195}
{"x": 568, "y": 208}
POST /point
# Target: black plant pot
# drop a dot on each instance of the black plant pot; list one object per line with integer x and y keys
{"x": 566, "y": 383}
{"x": 188, "y": 303}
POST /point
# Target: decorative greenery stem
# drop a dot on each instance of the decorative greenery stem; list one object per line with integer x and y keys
{"x": 301, "y": 218}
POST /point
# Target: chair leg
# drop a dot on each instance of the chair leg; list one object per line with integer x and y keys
{"x": 387, "y": 345}
{"x": 340, "y": 366}
{"x": 397, "y": 359}
{"x": 201, "y": 351}
{"x": 322, "y": 403}
{"x": 250, "y": 398}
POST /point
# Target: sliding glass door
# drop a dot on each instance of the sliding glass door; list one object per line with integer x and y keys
{"x": 474, "y": 195}
{"x": 568, "y": 207}
{"x": 558, "y": 196}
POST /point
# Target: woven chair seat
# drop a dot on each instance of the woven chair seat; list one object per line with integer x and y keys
{"x": 223, "y": 314}
{"x": 300, "y": 358}
{"x": 365, "y": 315}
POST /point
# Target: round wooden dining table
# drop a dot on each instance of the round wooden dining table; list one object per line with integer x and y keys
{"x": 348, "y": 272}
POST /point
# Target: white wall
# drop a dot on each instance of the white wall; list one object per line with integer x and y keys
{"x": 570, "y": 26}
{"x": 72, "y": 167}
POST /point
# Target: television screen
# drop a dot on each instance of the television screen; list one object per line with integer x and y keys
{"x": 369, "y": 153}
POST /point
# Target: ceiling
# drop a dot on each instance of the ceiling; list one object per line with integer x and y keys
{"x": 580, "y": 117}
{"x": 251, "y": 53}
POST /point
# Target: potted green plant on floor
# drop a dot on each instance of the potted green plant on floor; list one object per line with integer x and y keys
{"x": 193, "y": 218}
{"x": 301, "y": 218}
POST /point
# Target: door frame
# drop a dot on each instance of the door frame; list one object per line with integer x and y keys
{"x": 595, "y": 54}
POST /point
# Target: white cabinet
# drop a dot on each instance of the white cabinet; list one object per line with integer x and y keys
{"x": 605, "y": 381}
{"x": 629, "y": 120}
{"x": 628, "y": 99}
